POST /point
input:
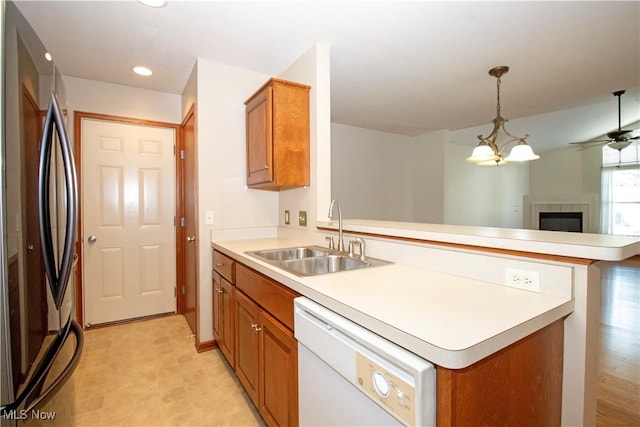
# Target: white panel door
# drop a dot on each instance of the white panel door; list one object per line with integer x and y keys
{"x": 128, "y": 195}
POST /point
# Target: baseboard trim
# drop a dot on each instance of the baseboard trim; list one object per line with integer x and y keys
{"x": 206, "y": 346}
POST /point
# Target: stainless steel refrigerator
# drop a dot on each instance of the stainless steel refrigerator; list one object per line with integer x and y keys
{"x": 52, "y": 205}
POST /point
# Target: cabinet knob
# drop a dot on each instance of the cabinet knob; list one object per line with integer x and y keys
{"x": 30, "y": 247}
{"x": 220, "y": 290}
{"x": 255, "y": 327}
{"x": 220, "y": 264}
{"x": 191, "y": 239}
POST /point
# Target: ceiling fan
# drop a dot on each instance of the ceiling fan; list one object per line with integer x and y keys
{"x": 617, "y": 139}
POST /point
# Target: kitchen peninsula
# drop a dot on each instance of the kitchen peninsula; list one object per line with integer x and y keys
{"x": 444, "y": 297}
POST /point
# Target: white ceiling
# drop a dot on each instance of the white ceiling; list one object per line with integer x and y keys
{"x": 406, "y": 67}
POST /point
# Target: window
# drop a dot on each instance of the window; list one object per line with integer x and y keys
{"x": 621, "y": 191}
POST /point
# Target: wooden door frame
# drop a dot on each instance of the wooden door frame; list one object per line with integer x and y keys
{"x": 181, "y": 234}
{"x": 78, "y": 116}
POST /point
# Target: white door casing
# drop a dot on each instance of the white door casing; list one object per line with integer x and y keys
{"x": 129, "y": 206}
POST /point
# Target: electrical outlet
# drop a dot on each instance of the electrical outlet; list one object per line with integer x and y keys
{"x": 302, "y": 218}
{"x": 522, "y": 279}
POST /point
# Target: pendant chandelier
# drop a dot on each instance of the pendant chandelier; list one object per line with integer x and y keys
{"x": 487, "y": 152}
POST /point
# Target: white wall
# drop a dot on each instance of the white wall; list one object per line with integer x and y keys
{"x": 371, "y": 173}
{"x": 429, "y": 179}
{"x": 489, "y": 196}
{"x": 106, "y": 98}
{"x": 221, "y": 92}
{"x": 380, "y": 175}
{"x": 558, "y": 172}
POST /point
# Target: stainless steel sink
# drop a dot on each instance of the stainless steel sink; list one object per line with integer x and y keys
{"x": 290, "y": 253}
{"x": 323, "y": 265}
{"x": 314, "y": 260}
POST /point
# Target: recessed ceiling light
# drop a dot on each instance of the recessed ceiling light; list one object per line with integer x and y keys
{"x": 153, "y": 3}
{"x": 47, "y": 56}
{"x": 143, "y": 71}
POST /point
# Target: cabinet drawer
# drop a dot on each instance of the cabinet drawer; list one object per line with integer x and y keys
{"x": 272, "y": 296}
{"x": 224, "y": 265}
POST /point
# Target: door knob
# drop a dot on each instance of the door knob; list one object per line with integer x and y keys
{"x": 191, "y": 239}
{"x": 92, "y": 239}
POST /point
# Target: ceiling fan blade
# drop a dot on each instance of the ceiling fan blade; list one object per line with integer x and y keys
{"x": 592, "y": 146}
{"x": 595, "y": 141}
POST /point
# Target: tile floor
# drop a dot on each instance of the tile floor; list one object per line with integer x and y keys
{"x": 148, "y": 373}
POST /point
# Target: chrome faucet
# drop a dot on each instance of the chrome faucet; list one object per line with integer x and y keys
{"x": 340, "y": 239}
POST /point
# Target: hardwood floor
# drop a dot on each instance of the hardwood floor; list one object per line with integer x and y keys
{"x": 619, "y": 356}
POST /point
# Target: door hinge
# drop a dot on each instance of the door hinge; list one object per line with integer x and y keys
{"x": 184, "y": 290}
{"x": 182, "y": 222}
{"x": 181, "y": 154}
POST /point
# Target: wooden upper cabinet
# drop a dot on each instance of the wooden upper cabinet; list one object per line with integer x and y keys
{"x": 277, "y": 120}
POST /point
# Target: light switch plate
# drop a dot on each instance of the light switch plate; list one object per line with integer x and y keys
{"x": 302, "y": 218}
{"x": 286, "y": 217}
{"x": 208, "y": 218}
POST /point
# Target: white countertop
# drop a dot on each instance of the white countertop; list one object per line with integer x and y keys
{"x": 578, "y": 245}
{"x": 449, "y": 320}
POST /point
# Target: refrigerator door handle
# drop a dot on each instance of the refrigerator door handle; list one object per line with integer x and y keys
{"x": 37, "y": 400}
{"x": 57, "y": 275}
{"x": 32, "y": 394}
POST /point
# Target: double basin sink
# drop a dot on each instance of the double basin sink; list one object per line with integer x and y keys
{"x": 314, "y": 260}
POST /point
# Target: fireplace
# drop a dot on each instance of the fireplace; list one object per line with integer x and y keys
{"x": 561, "y": 221}
{"x": 586, "y": 204}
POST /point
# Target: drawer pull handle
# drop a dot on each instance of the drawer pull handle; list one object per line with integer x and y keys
{"x": 255, "y": 327}
{"x": 220, "y": 264}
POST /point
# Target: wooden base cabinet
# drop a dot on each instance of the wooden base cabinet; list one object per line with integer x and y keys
{"x": 223, "y": 316}
{"x": 520, "y": 385}
{"x": 266, "y": 349}
{"x": 223, "y": 305}
{"x": 247, "y": 345}
{"x": 267, "y": 363}
{"x": 279, "y": 373}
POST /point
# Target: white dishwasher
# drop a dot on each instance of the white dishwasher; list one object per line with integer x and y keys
{"x": 349, "y": 376}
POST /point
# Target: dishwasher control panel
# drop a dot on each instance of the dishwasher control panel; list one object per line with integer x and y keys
{"x": 386, "y": 388}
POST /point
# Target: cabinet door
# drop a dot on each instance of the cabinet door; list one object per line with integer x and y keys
{"x": 227, "y": 297}
{"x": 247, "y": 344}
{"x": 223, "y": 319}
{"x": 279, "y": 373}
{"x": 217, "y": 308}
{"x": 259, "y": 143}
